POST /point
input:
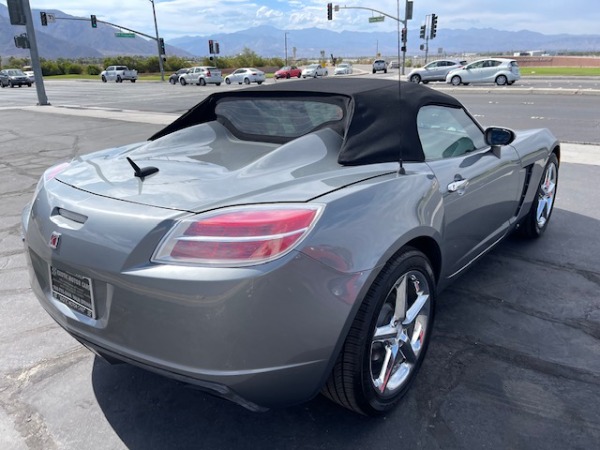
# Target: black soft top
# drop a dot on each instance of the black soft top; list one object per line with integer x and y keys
{"x": 381, "y": 115}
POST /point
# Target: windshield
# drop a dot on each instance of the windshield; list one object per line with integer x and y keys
{"x": 15, "y": 72}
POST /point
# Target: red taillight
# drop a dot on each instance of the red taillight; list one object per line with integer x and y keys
{"x": 53, "y": 171}
{"x": 208, "y": 73}
{"x": 243, "y": 236}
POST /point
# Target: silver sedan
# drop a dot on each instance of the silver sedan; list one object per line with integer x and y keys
{"x": 246, "y": 75}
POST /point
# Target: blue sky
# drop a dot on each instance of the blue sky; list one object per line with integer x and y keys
{"x": 207, "y": 17}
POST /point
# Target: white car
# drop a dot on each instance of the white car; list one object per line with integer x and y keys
{"x": 435, "y": 70}
{"x": 314, "y": 71}
{"x": 201, "y": 76}
{"x": 490, "y": 70}
{"x": 246, "y": 75}
{"x": 343, "y": 69}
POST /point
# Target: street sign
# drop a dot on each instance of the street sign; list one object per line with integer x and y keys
{"x": 376, "y": 19}
{"x": 16, "y": 13}
{"x": 125, "y": 35}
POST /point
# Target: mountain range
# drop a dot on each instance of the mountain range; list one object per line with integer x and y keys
{"x": 69, "y": 38}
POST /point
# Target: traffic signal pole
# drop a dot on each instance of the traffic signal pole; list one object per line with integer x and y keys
{"x": 404, "y": 22}
{"x": 35, "y": 56}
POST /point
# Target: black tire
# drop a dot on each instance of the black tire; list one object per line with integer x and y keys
{"x": 182, "y": 81}
{"x": 133, "y": 81}
{"x": 415, "y": 78}
{"x": 227, "y": 81}
{"x": 119, "y": 79}
{"x": 259, "y": 82}
{"x": 536, "y": 221}
{"x": 287, "y": 76}
{"x": 374, "y": 71}
{"x": 201, "y": 81}
{"x": 403, "y": 325}
{"x": 28, "y": 84}
{"x": 455, "y": 80}
{"x": 246, "y": 81}
{"x": 298, "y": 75}
{"x": 501, "y": 80}
{"x": 103, "y": 79}
{"x": 218, "y": 84}
{"x": 384, "y": 70}
{"x": 10, "y": 83}
{"x": 172, "y": 81}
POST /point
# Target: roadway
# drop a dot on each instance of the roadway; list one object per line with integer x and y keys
{"x": 514, "y": 360}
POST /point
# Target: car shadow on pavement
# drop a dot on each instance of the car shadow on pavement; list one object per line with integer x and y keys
{"x": 501, "y": 371}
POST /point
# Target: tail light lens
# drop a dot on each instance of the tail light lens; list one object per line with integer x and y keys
{"x": 238, "y": 236}
{"x": 53, "y": 171}
{"x": 208, "y": 73}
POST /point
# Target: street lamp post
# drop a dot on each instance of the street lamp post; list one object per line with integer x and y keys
{"x": 286, "y": 55}
{"x": 160, "y": 61}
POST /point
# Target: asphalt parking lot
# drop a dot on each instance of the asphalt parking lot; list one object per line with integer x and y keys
{"x": 514, "y": 360}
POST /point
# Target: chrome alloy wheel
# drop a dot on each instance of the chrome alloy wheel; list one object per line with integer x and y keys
{"x": 546, "y": 195}
{"x": 400, "y": 333}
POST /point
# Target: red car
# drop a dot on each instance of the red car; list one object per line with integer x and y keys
{"x": 288, "y": 72}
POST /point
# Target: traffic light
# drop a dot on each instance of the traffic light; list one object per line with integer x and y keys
{"x": 161, "y": 42}
{"x": 211, "y": 46}
{"x": 217, "y": 48}
{"x": 422, "y": 32}
{"x": 434, "y": 19}
{"x": 94, "y": 22}
{"x": 403, "y": 34}
{"x": 44, "y": 19}
{"x": 329, "y": 11}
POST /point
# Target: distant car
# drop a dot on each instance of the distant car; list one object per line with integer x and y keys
{"x": 278, "y": 241}
{"x": 174, "y": 78}
{"x": 379, "y": 65}
{"x": 30, "y": 75}
{"x": 246, "y": 75}
{"x": 343, "y": 69}
{"x": 118, "y": 74}
{"x": 314, "y": 71}
{"x": 14, "y": 77}
{"x": 393, "y": 65}
{"x": 435, "y": 70}
{"x": 201, "y": 76}
{"x": 491, "y": 70}
{"x": 288, "y": 72}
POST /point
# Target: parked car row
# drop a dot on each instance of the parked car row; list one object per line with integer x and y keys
{"x": 456, "y": 72}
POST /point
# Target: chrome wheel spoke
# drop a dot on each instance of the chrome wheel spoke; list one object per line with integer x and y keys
{"x": 407, "y": 350}
{"x": 400, "y": 306}
{"x": 416, "y": 308}
{"x": 391, "y": 353}
{"x": 384, "y": 333}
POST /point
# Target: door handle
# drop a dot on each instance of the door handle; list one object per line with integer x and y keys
{"x": 458, "y": 185}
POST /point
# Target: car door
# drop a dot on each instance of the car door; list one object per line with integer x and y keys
{"x": 432, "y": 71}
{"x": 489, "y": 71}
{"x": 472, "y": 72}
{"x": 480, "y": 186}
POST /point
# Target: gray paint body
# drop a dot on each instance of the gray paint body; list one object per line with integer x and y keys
{"x": 265, "y": 335}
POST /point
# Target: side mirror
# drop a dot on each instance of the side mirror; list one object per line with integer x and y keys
{"x": 496, "y": 136}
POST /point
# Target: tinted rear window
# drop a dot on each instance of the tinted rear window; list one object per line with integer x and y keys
{"x": 282, "y": 118}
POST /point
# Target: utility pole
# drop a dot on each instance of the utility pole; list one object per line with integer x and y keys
{"x": 285, "y": 41}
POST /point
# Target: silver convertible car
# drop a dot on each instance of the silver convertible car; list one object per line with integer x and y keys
{"x": 285, "y": 240}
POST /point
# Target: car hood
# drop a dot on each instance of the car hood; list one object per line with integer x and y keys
{"x": 204, "y": 167}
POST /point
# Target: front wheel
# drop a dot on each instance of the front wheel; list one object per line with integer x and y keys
{"x": 133, "y": 81}
{"x": 182, "y": 81}
{"x": 287, "y": 76}
{"x": 455, "y": 80}
{"x": 104, "y": 79}
{"x": 246, "y": 81}
{"x": 501, "y": 80}
{"x": 119, "y": 79}
{"x": 387, "y": 342}
{"x": 227, "y": 80}
{"x": 415, "y": 79}
{"x": 259, "y": 82}
{"x": 536, "y": 221}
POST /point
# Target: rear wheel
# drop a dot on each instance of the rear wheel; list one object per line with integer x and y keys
{"x": 227, "y": 80}
{"x": 455, "y": 80}
{"x": 133, "y": 81}
{"x": 501, "y": 80}
{"x": 287, "y": 76}
{"x": 182, "y": 81}
{"x": 246, "y": 81}
{"x": 415, "y": 78}
{"x": 119, "y": 79}
{"x": 201, "y": 81}
{"x": 536, "y": 221}
{"x": 387, "y": 342}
